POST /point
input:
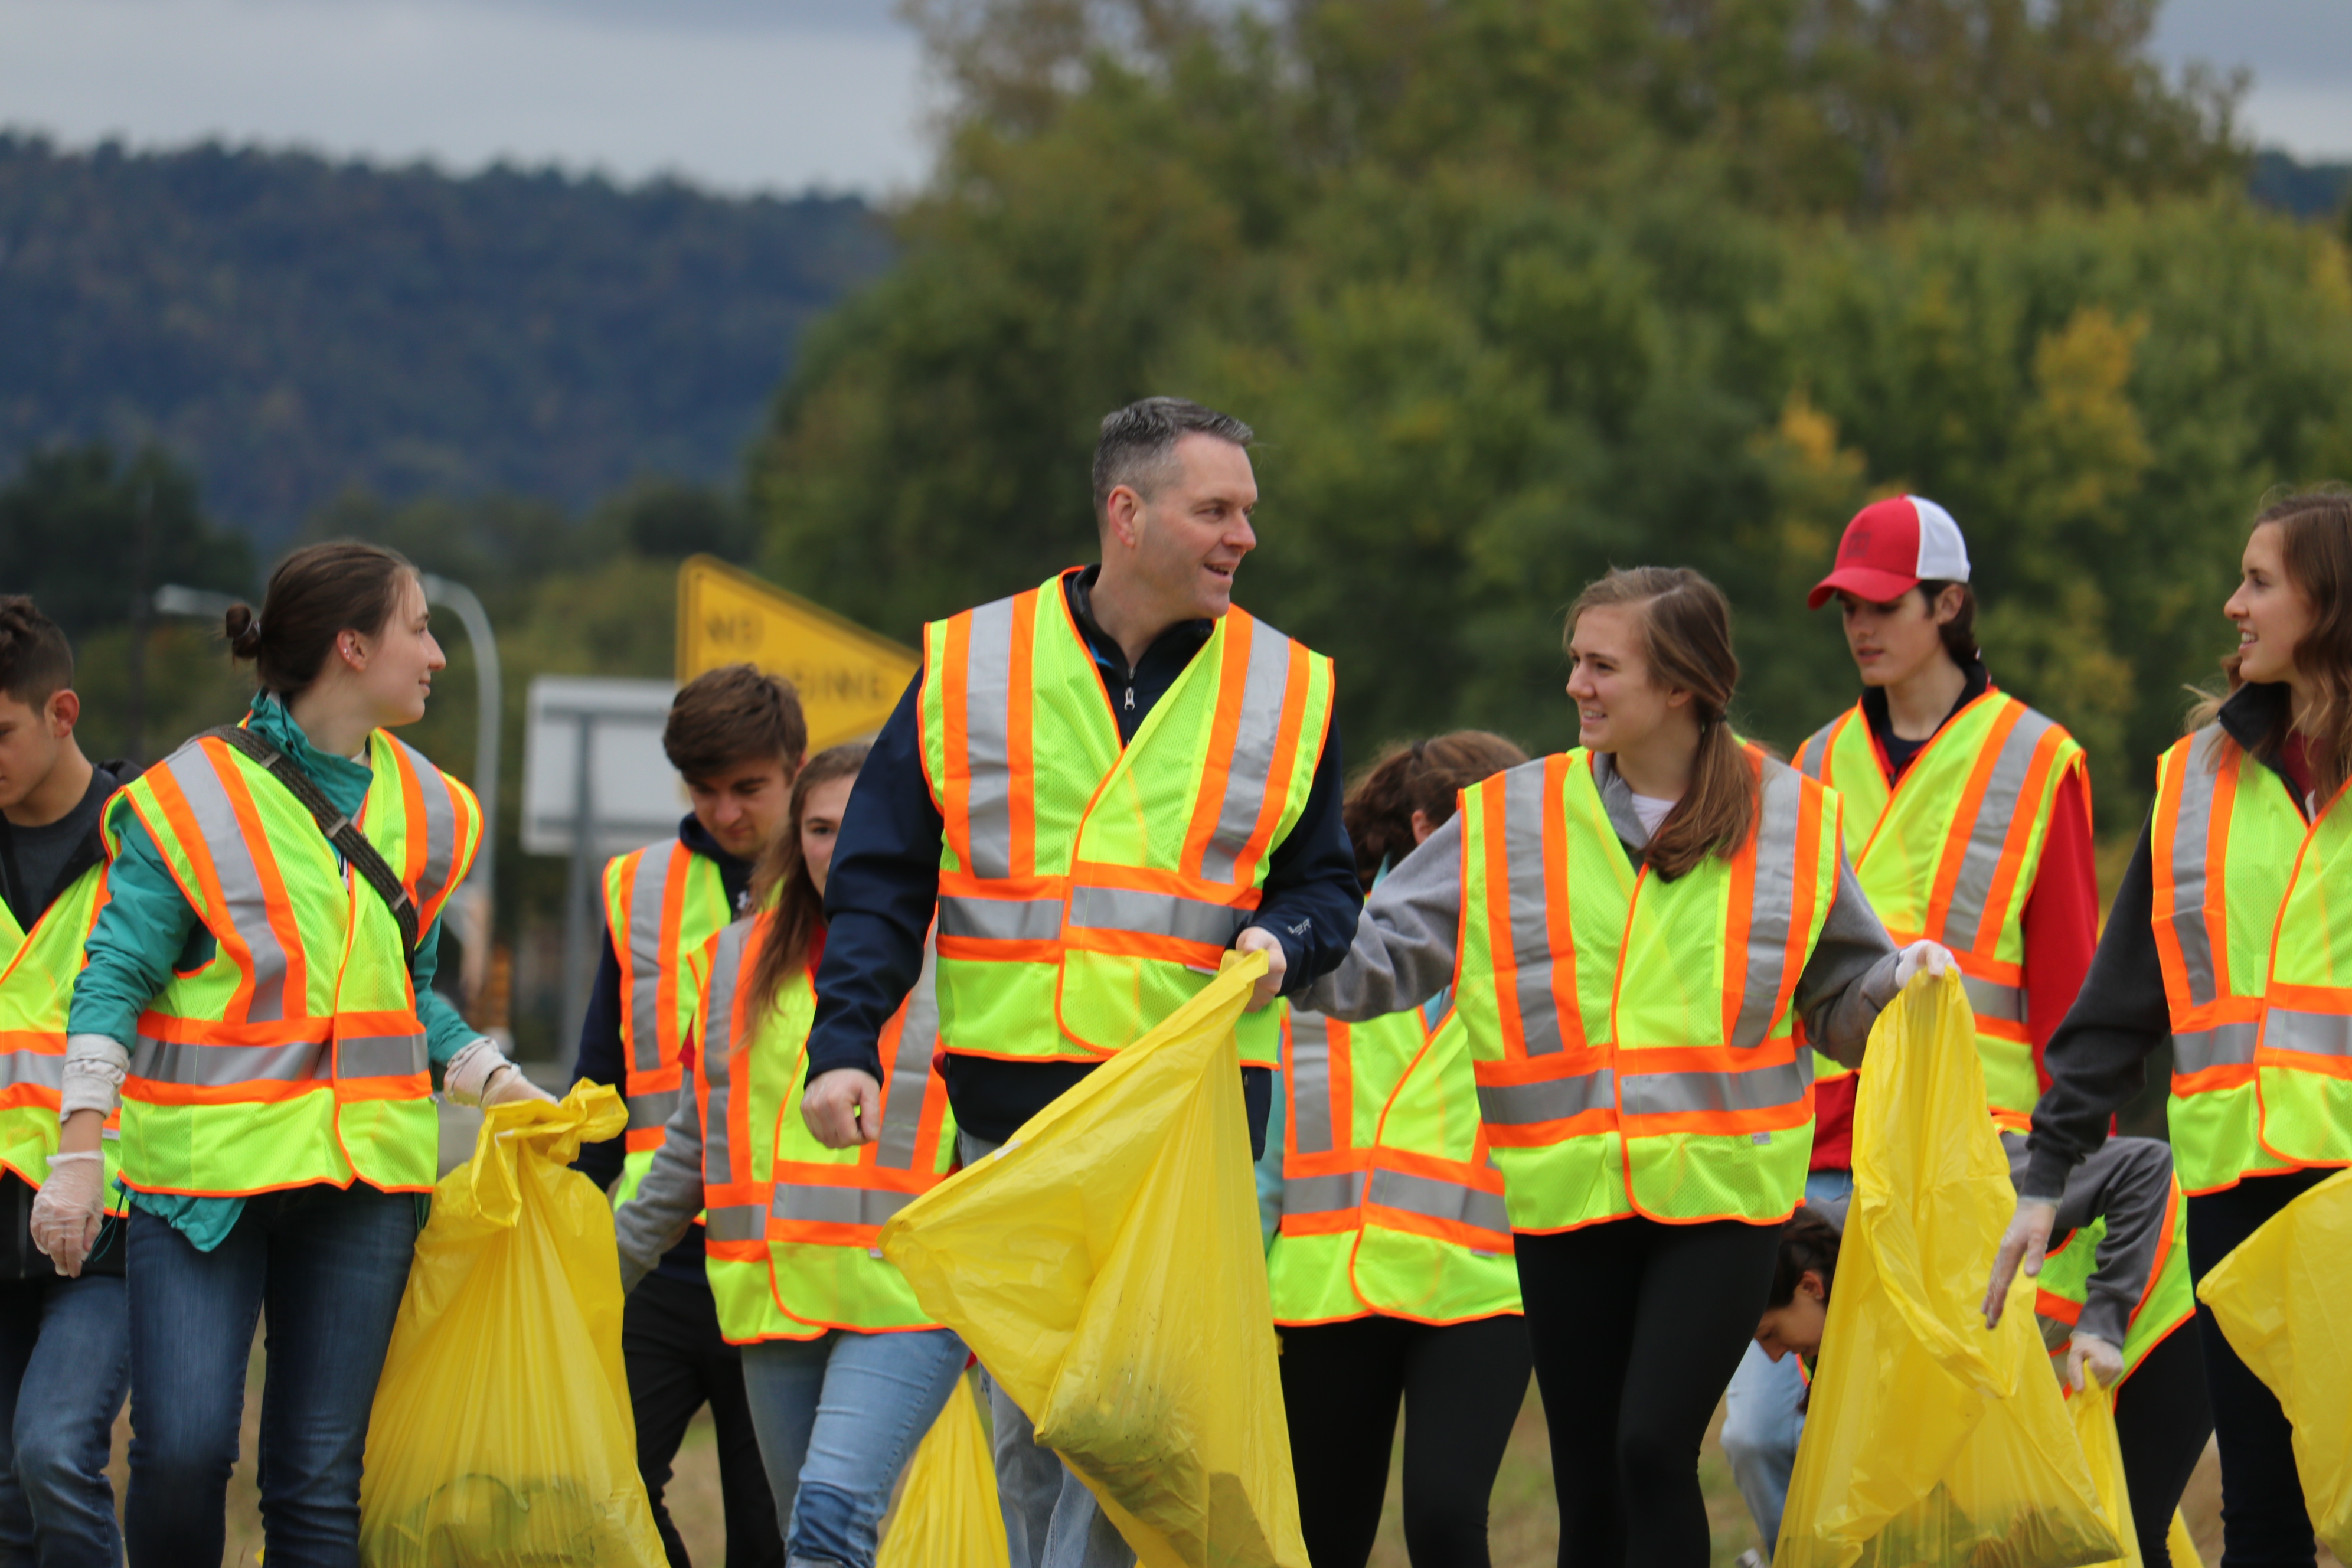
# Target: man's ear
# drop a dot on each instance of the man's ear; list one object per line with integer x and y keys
{"x": 64, "y": 713}
{"x": 1122, "y": 517}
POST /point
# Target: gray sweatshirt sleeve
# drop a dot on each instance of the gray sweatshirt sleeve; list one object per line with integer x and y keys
{"x": 654, "y": 1218}
{"x": 1850, "y": 978}
{"x": 2128, "y": 1183}
{"x": 1402, "y": 954}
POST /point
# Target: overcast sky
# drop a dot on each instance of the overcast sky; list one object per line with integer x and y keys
{"x": 777, "y": 95}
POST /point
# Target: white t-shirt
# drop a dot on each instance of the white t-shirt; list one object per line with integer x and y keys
{"x": 1652, "y": 811}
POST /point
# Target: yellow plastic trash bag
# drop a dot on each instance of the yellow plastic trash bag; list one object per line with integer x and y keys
{"x": 2283, "y": 1297}
{"x": 1928, "y": 1439}
{"x": 947, "y": 1511}
{"x": 501, "y": 1435}
{"x": 1105, "y": 1266}
{"x": 2094, "y": 1410}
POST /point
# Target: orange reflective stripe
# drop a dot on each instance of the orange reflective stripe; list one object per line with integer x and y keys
{"x": 1956, "y": 846}
{"x": 955, "y": 697}
{"x": 1740, "y": 906}
{"x": 1224, "y": 728}
{"x": 1020, "y": 724}
{"x": 1494, "y": 813}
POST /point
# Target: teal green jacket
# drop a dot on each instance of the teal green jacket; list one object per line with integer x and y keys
{"x": 148, "y": 928}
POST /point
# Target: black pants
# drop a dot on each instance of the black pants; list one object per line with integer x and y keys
{"x": 2263, "y": 1521}
{"x": 1462, "y": 1385}
{"x": 1636, "y": 1328}
{"x": 678, "y": 1364}
{"x": 2162, "y": 1421}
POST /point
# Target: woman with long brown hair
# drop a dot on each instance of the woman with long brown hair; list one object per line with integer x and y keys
{"x": 2226, "y": 937}
{"x": 1631, "y": 929}
{"x": 842, "y": 1371}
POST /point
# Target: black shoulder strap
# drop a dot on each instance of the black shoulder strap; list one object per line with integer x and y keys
{"x": 342, "y": 832}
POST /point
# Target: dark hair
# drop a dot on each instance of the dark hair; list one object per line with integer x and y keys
{"x": 781, "y": 884}
{"x": 734, "y": 714}
{"x": 1686, "y": 643}
{"x": 1809, "y": 1244}
{"x": 1138, "y": 440}
{"x": 1427, "y": 777}
{"x": 2315, "y": 546}
{"x": 1959, "y": 633}
{"x": 35, "y": 660}
{"x": 317, "y": 594}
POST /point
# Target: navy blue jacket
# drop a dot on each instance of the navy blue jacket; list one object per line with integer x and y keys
{"x": 884, "y": 883}
{"x": 603, "y": 1058}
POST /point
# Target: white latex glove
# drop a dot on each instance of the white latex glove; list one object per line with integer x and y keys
{"x": 69, "y": 1208}
{"x": 2025, "y": 1243}
{"x": 479, "y": 1074}
{"x": 843, "y": 1108}
{"x": 1933, "y": 957}
{"x": 2090, "y": 1354}
{"x": 509, "y": 1082}
{"x": 1257, "y": 939}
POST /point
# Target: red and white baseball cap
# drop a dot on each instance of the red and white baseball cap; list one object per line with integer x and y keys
{"x": 1891, "y": 547}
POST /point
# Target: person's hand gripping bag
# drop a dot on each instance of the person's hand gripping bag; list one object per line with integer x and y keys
{"x": 2284, "y": 1298}
{"x": 1928, "y": 1439}
{"x": 501, "y": 1435}
{"x": 947, "y": 1510}
{"x": 1106, "y": 1267}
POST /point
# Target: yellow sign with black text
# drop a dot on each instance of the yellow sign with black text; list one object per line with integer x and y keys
{"x": 850, "y": 678}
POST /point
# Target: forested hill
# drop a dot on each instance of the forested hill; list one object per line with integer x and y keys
{"x": 297, "y": 329}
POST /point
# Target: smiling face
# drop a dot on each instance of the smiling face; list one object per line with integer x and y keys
{"x": 1180, "y": 545}
{"x": 1618, "y": 703}
{"x": 821, "y": 814}
{"x": 1894, "y": 641}
{"x": 399, "y": 659}
{"x": 741, "y": 806}
{"x": 1797, "y": 1327}
{"x": 2271, "y": 614}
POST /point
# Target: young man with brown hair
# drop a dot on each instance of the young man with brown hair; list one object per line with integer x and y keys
{"x": 65, "y": 1342}
{"x": 737, "y": 737}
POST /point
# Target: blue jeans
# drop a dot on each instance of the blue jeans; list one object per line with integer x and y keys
{"x": 65, "y": 1361}
{"x": 838, "y": 1417}
{"x": 1764, "y": 1415}
{"x": 329, "y": 1265}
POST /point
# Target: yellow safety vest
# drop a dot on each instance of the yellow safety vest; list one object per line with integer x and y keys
{"x": 294, "y": 1056}
{"x": 1390, "y": 1202}
{"x": 793, "y": 1229}
{"x": 36, "y": 995}
{"x": 1633, "y": 1036}
{"x": 1951, "y": 854}
{"x": 2254, "y": 967}
{"x": 12, "y": 935}
{"x": 1087, "y": 891}
{"x": 662, "y": 904}
{"x": 2064, "y": 1288}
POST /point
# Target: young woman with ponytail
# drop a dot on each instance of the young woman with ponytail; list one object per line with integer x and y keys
{"x": 1653, "y": 1132}
{"x": 1392, "y": 1272}
{"x": 843, "y": 1373}
{"x": 2227, "y": 940}
{"x": 259, "y": 1001}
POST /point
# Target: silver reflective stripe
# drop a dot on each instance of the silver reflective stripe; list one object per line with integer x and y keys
{"x": 2224, "y": 1045}
{"x": 1554, "y": 1099}
{"x": 1991, "y": 999}
{"x": 1774, "y": 910}
{"x": 987, "y": 749}
{"x": 381, "y": 1055}
{"x": 646, "y": 900}
{"x": 1322, "y": 1195}
{"x": 2190, "y": 837}
{"x": 735, "y": 1222}
{"x": 439, "y": 828}
{"x": 653, "y": 1109}
{"x": 1678, "y": 1093}
{"x": 837, "y": 1205}
{"x": 1813, "y": 756}
{"x": 2004, "y": 796}
{"x": 191, "y": 768}
{"x": 1530, "y": 958}
{"x": 718, "y": 1050}
{"x": 46, "y": 1069}
{"x": 1156, "y": 914}
{"x": 1001, "y": 919}
{"x": 1267, "y": 676}
{"x": 2313, "y": 1033}
{"x": 167, "y": 1061}
{"x": 1310, "y": 1082}
{"x": 910, "y": 1071}
{"x": 1449, "y": 1200}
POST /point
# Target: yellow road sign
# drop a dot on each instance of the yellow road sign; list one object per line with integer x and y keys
{"x": 850, "y": 678}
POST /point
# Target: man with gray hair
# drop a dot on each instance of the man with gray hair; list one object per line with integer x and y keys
{"x": 1099, "y": 786}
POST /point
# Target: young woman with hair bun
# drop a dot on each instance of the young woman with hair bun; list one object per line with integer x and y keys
{"x": 1652, "y": 1133}
{"x": 260, "y": 1001}
{"x": 1391, "y": 1271}
{"x": 2227, "y": 939}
